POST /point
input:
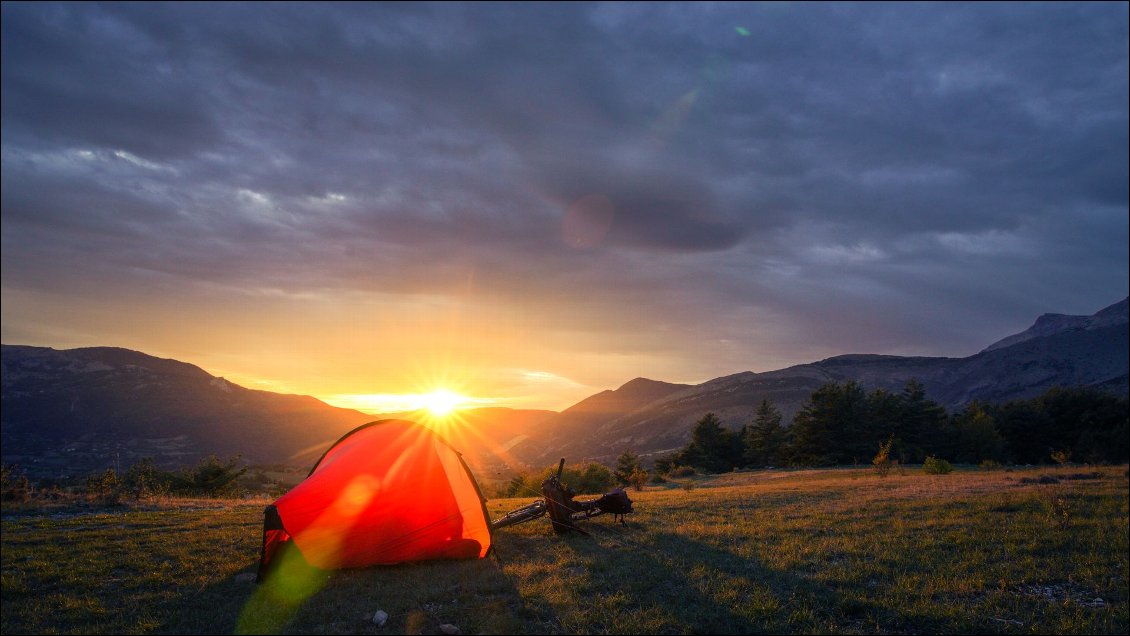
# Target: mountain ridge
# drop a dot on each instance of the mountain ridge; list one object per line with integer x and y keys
{"x": 1085, "y": 351}
{"x": 83, "y": 408}
{"x": 54, "y": 399}
{"x": 1049, "y": 324}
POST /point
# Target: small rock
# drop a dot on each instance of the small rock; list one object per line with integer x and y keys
{"x": 245, "y": 577}
{"x": 449, "y": 629}
{"x": 380, "y": 617}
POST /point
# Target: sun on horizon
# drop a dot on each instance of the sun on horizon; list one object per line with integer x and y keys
{"x": 443, "y": 402}
{"x": 438, "y": 402}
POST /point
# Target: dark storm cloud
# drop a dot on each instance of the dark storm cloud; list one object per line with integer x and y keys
{"x": 839, "y": 160}
{"x": 78, "y": 76}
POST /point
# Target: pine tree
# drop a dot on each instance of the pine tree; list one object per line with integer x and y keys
{"x": 765, "y": 440}
{"x": 978, "y": 437}
{"x": 710, "y": 445}
{"x": 923, "y": 425}
{"x": 852, "y": 428}
{"x": 830, "y": 427}
{"x": 811, "y": 430}
{"x": 626, "y": 464}
{"x": 735, "y": 455}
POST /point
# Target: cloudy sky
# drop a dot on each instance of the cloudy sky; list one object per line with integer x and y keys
{"x": 533, "y": 202}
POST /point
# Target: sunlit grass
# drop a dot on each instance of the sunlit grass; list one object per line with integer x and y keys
{"x": 837, "y": 551}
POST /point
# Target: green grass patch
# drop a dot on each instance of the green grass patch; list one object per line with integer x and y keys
{"x": 833, "y": 551}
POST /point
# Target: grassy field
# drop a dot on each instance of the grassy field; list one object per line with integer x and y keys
{"x": 832, "y": 551}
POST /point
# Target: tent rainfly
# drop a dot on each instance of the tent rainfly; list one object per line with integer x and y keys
{"x": 387, "y": 492}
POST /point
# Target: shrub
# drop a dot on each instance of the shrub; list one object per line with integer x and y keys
{"x": 1061, "y": 457}
{"x": 15, "y": 486}
{"x": 935, "y": 466}
{"x": 520, "y": 486}
{"x": 209, "y": 478}
{"x": 513, "y": 487}
{"x": 595, "y": 479}
{"x": 664, "y": 465}
{"x": 638, "y": 478}
{"x": 882, "y": 460}
{"x": 683, "y": 471}
{"x": 52, "y": 493}
{"x": 990, "y": 464}
{"x": 144, "y": 479}
{"x": 591, "y": 478}
{"x": 626, "y": 465}
{"x": 104, "y": 487}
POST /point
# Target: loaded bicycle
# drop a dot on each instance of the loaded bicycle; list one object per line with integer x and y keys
{"x": 558, "y": 501}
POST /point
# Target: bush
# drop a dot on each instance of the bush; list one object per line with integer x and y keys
{"x": 683, "y": 471}
{"x": 15, "y": 484}
{"x": 935, "y": 466}
{"x": 882, "y": 460}
{"x": 592, "y": 478}
{"x": 665, "y": 464}
{"x": 626, "y": 465}
{"x": 595, "y": 479}
{"x": 144, "y": 479}
{"x": 210, "y": 478}
{"x": 1061, "y": 457}
{"x": 104, "y": 487}
{"x": 990, "y": 464}
{"x": 522, "y": 485}
{"x": 638, "y": 478}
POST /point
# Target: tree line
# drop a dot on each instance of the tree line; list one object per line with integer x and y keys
{"x": 842, "y": 423}
{"x": 210, "y": 477}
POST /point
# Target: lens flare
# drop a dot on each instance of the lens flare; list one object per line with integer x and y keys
{"x": 442, "y": 402}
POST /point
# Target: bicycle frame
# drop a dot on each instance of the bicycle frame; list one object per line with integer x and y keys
{"x": 563, "y": 510}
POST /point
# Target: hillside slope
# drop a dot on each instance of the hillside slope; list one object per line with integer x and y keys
{"x": 82, "y": 409}
{"x": 1090, "y": 351}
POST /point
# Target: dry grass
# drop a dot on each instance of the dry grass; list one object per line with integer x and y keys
{"x": 829, "y": 551}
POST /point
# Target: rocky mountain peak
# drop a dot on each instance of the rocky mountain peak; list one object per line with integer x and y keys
{"x": 1051, "y": 324}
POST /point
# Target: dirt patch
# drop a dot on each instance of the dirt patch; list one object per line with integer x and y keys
{"x": 1063, "y": 593}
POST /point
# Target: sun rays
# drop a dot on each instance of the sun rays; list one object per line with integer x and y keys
{"x": 442, "y": 402}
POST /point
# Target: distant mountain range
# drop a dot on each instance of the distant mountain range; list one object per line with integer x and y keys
{"x": 1057, "y": 350}
{"x": 70, "y": 412}
{"x": 81, "y": 409}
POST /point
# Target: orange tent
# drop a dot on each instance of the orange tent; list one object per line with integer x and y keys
{"x": 387, "y": 492}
